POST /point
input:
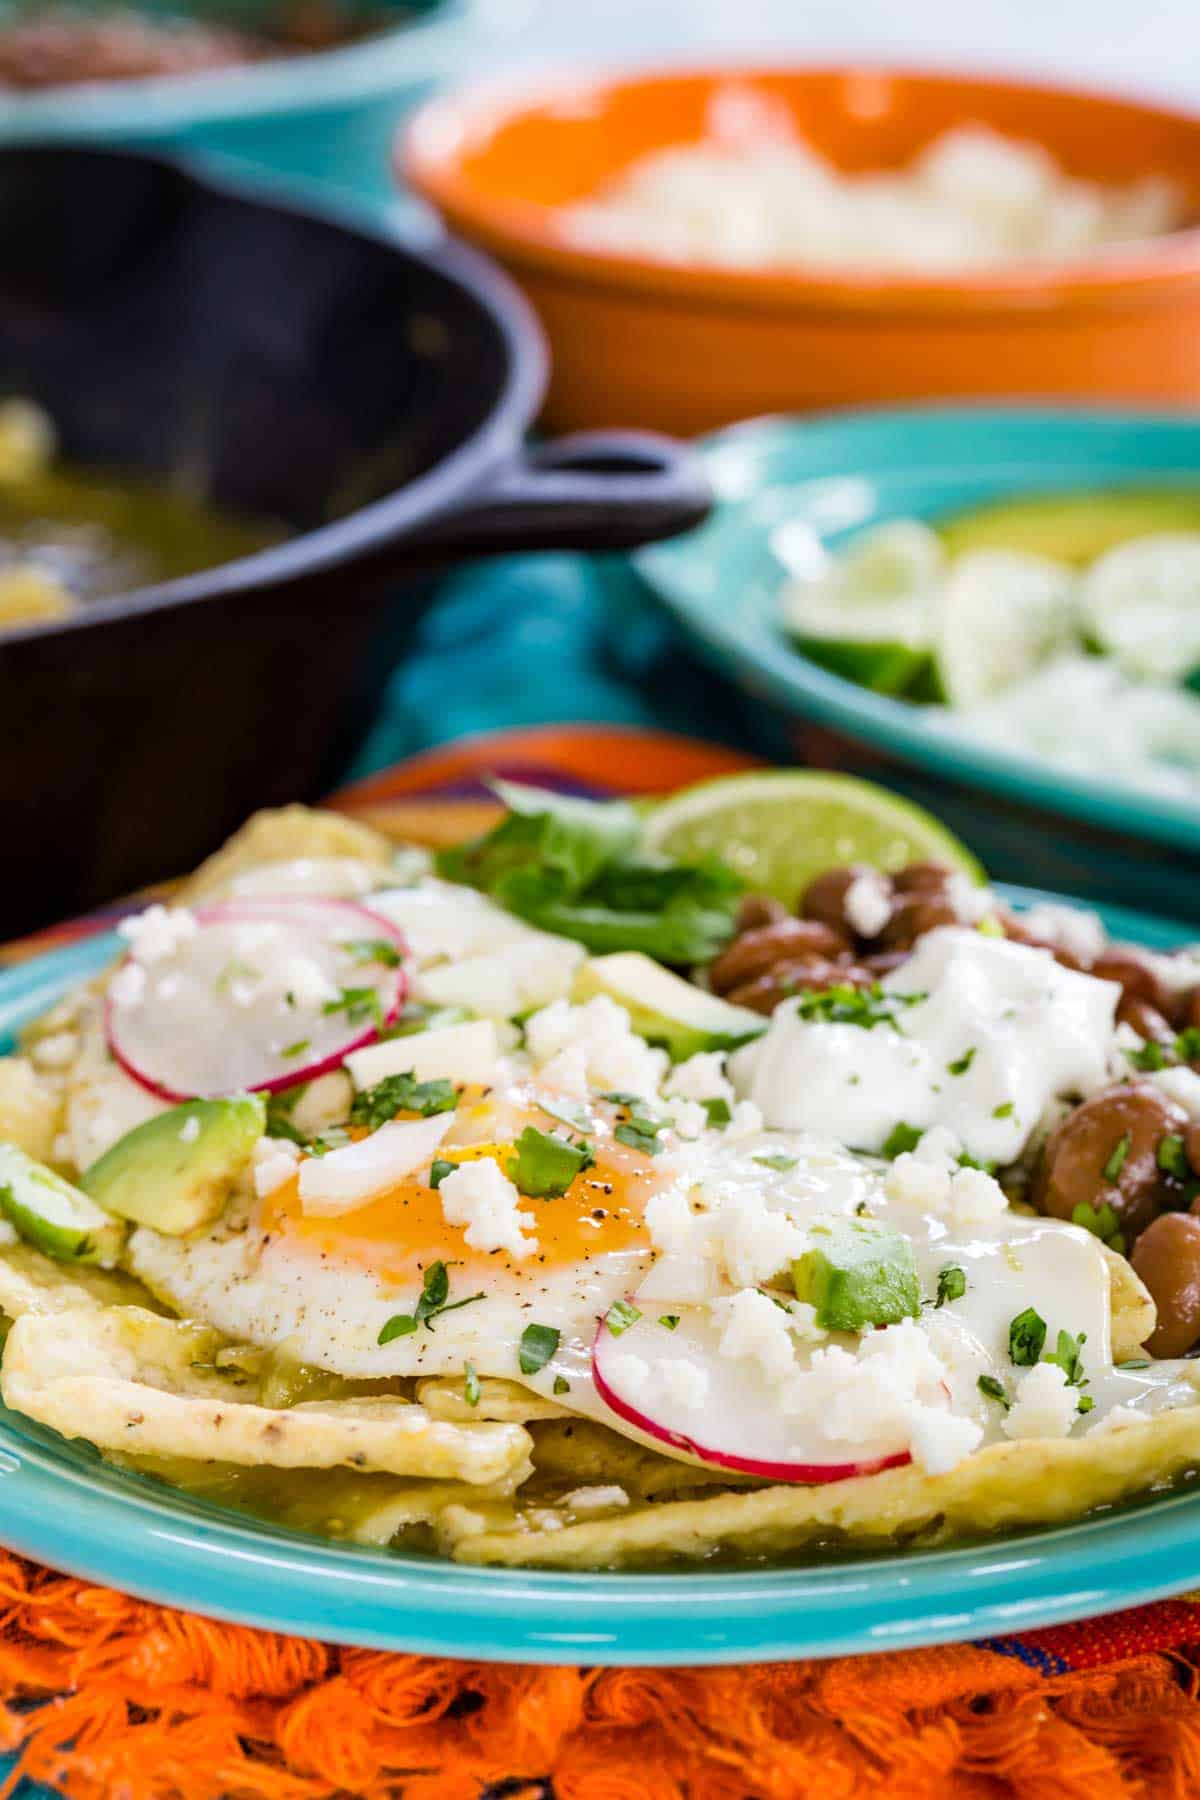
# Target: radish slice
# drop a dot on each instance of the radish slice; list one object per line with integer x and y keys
{"x": 252, "y": 994}
{"x": 735, "y": 1422}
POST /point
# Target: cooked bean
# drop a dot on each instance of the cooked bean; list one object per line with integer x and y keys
{"x": 1167, "y": 1257}
{"x": 824, "y": 899}
{"x": 784, "y": 979}
{"x": 916, "y": 914}
{"x": 757, "y": 951}
{"x": 1189, "y": 1009}
{"x": 1106, "y": 1152}
{"x": 1191, "y": 1142}
{"x": 923, "y": 878}
{"x": 1135, "y": 974}
{"x": 760, "y": 909}
{"x": 1145, "y": 1019}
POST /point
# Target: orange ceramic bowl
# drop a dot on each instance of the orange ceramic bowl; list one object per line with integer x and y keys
{"x": 686, "y": 347}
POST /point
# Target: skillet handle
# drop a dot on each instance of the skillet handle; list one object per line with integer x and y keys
{"x": 596, "y": 490}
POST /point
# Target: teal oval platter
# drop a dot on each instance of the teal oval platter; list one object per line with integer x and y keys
{"x": 835, "y": 474}
{"x": 61, "y": 1504}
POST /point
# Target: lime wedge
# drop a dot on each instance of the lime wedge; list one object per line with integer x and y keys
{"x": 1001, "y": 614}
{"x": 865, "y": 615}
{"x": 1141, "y": 605}
{"x": 780, "y": 828}
{"x": 1074, "y": 528}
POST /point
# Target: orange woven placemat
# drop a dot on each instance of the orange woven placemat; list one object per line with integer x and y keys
{"x": 110, "y": 1698}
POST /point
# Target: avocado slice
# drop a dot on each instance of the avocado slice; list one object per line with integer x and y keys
{"x": 858, "y": 1273}
{"x": 54, "y": 1216}
{"x": 175, "y": 1171}
{"x": 1073, "y": 527}
{"x": 665, "y": 1009}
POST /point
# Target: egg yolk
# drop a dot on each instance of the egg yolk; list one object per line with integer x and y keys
{"x": 402, "y": 1229}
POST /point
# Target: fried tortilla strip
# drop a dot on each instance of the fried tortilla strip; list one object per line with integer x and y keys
{"x": 1134, "y": 1313}
{"x": 285, "y": 834}
{"x": 443, "y": 1397}
{"x": 1001, "y": 1488}
{"x": 33, "y": 1283}
{"x": 126, "y": 1379}
{"x": 30, "y": 1108}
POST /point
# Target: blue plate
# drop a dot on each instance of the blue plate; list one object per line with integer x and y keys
{"x": 839, "y": 473}
{"x": 60, "y": 1503}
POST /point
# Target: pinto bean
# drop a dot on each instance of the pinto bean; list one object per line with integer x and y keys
{"x": 923, "y": 878}
{"x": 765, "y": 991}
{"x": 1167, "y": 1257}
{"x": 824, "y": 899}
{"x": 757, "y": 910}
{"x": 1136, "y": 976}
{"x": 754, "y": 952}
{"x": 1106, "y": 1152}
{"x": 1145, "y": 1019}
{"x": 915, "y": 914}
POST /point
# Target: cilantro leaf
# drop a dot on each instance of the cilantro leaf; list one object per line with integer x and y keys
{"x": 1066, "y": 1354}
{"x": 434, "y": 1300}
{"x": 994, "y": 1390}
{"x": 1116, "y": 1162}
{"x": 640, "y": 1134}
{"x": 374, "y": 950}
{"x": 359, "y": 1004}
{"x": 777, "y": 1161}
{"x": 375, "y": 1106}
{"x": 1026, "y": 1338}
{"x": 470, "y": 1384}
{"x": 843, "y": 1004}
{"x": 900, "y": 1138}
{"x": 1102, "y": 1221}
{"x": 719, "y": 1113}
{"x": 544, "y": 1165}
{"x": 439, "y": 1169}
{"x": 538, "y": 1344}
{"x": 561, "y": 1385}
{"x": 1151, "y": 1056}
{"x": 951, "y": 1284}
{"x": 620, "y": 1316}
{"x": 1172, "y": 1158}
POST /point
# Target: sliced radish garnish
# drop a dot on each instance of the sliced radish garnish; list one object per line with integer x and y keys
{"x": 252, "y": 994}
{"x": 729, "y": 1416}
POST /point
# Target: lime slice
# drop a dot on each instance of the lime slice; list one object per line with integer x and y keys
{"x": 865, "y": 615}
{"x": 1074, "y": 528}
{"x": 1141, "y": 605}
{"x": 1001, "y": 614}
{"x": 780, "y": 828}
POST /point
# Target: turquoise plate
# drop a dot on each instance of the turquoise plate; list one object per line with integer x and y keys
{"x": 839, "y": 473}
{"x": 60, "y": 1503}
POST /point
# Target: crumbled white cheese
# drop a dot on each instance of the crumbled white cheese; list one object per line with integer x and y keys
{"x": 929, "y": 1177}
{"x": 275, "y": 1161}
{"x": 1181, "y": 1085}
{"x": 128, "y": 986}
{"x": 876, "y": 1394}
{"x": 1045, "y": 1406}
{"x": 684, "y": 1383}
{"x": 867, "y": 906}
{"x": 1117, "y": 1417}
{"x": 752, "y": 1325}
{"x": 971, "y": 903}
{"x": 940, "y": 1439}
{"x": 617, "y": 1058}
{"x": 189, "y": 1131}
{"x": 481, "y": 1197}
{"x": 975, "y": 1196}
{"x": 701, "y": 1077}
{"x": 747, "y": 1121}
{"x": 566, "y": 1073}
{"x": 689, "y": 1119}
{"x": 1081, "y": 934}
{"x": 595, "y": 1499}
{"x": 57, "y": 1050}
{"x": 158, "y": 932}
{"x": 751, "y": 1240}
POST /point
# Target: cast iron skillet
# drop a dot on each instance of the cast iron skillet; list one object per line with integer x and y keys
{"x": 372, "y": 398}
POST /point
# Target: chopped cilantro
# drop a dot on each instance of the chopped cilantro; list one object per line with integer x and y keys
{"x": 574, "y": 1116}
{"x": 670, "y": 1321}
{"x": 416, "y": 1018}
{"x": 545, "y": 1166}
{"x": 965, "y": 1160}
{"x": 951, "y": 1284}
{"x": 359, "y": 1004}
{"x": 1102, "y": 1221}
{"x": 1141, "y": 1362}
{"x": 1116, "y": 1162}
{"x": 1003, "y": 1111}
{"x": 1172, "y": 1158}
{"x": 1151, "y": 1056}
{"x": 719, "y": 1113}
{"x": 434, "y": 1300}
{"x": 962, "y": 1063}
{"x": 538, "y": 1344}
{"x": 1066, "y": 1355}
{"x": 843, "y": 1004}
{"x": 279, "y": 1115}
{"x": 334, "y": 1137}
{"x": 561, "y": 1385}
{"x": 470, "y": 1385}
{"x": 1086, "y": 1403}
{"x": 777, "y": 1161}
{"x": 440, "y": 1169}
{"x": 1187, "y": 1044}
{"x": 375, "y": 1106}
{"x": 994, "y": 1390}
{"x": 616, "y": 1098}
{"x": 298, "y": 1048}
{"x": 620, "y": 1316}
{"x": 374, "y": 950}
{"x": 900, "y": 1138}
{"x": 1026, "y": 1338}
{"x": 640, "y": 1134}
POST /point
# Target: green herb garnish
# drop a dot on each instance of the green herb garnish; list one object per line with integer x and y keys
{"x": 435, "y": 1300}
{"x": 719, "y": 1113}
{"x": 994, "y": 1390}
{"x": 900, "y": 1138}
{"x": 538, "y": 1344}
{"x": 561, "y": 1385}
{"x": 640, "y": 1134}
{"x": 439, "y": 1170}
{"x": 375, "y": 1106}
{"x": 359, "y": 1004}
{"x": 1026, "y": 1338}
{"x": 545, "y": 1166}
{"x": 615, "y": 1098}
{"x": 1067, "y": 1356}
{"x": 620, "y": 1316}
{"x": 374, "y": 950}
{"x": 1151, "y": 1056}
{"x": 1171, "y": 1157}
{"x": 777, "y": 1161}
{"x": 1086, "y": 1403}
{"x": 1187, "y": 1044}
{"x": 298, "y": 1048}
{"x": 572, "y": 1116}
{"x": 1116, "y": 1162}
{"x": 669, "y": 1321}
{"x": 280, "y": 1108}
{"x": 951, "y": 1284}
{"x": 470, "y": 1384}
{"x": 962, "y": 1063}
{"x": 842, "y": 1004}
{"x": 1003, "y": 1111}
{"x": 1102, "y": 1221}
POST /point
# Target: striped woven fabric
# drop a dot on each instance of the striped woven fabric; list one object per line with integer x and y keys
{"x": 103, "y": 1697}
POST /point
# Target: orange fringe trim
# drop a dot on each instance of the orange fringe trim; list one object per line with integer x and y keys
{"x": 144, "y": 1703}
